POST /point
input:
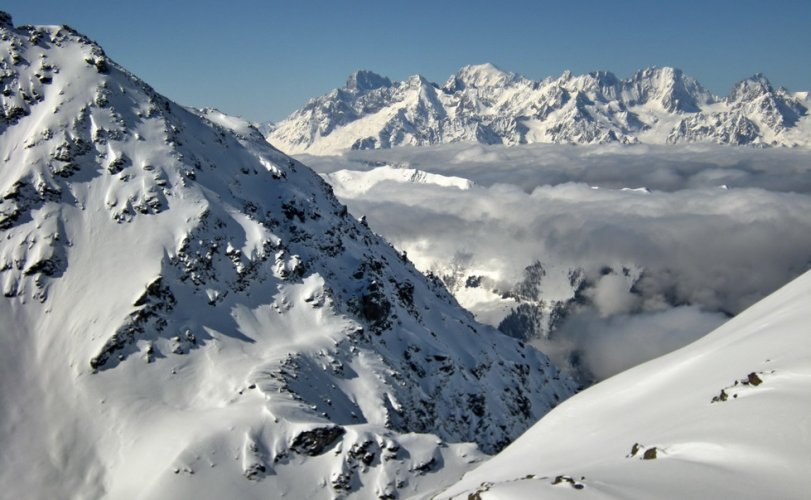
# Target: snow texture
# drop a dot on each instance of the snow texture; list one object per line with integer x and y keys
{"x": 725, "y": 417}
{"x": 189, "y": 313}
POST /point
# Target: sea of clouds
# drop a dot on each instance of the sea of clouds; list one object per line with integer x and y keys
{"x": 704, "y": 230}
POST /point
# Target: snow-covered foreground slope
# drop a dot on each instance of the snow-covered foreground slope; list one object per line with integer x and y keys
{"x": 725, "y": 417}
{"x": 189, "y": 313}
{"x": 483, "y": 104}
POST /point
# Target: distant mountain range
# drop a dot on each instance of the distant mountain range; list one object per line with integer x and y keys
{"x": 484, "y": 104}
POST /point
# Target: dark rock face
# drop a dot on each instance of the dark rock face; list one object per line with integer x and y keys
{"x": 316, "y": 441}
{"x": 562, "y": 480}
{"x": 152, "y": 306}
{"x": 5, "y": 20}
{"x": 751, "y": 381}
{"x": 366, "y": 80}
{"x": 524, "y": 322}
{"x": 374, "y": 306}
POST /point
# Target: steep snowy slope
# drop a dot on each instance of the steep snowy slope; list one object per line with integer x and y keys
{"x": 725, "y": 417}
{"x": 189, "y": 313}
{"x": 484, "y": 104}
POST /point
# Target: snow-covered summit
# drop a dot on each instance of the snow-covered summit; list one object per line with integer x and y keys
{"x": 189, "y": 313}
{"x": 350, "y": 183}
{"x": 751, "y": 88}
{"x": 484, "y": 104}
{"x": 668, "y": 87}
{"x": 478, "y": 76}
{"x": 778, "y": 109}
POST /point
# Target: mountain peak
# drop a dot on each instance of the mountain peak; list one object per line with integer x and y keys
{"x": 663, "y": 70}
{"x": 483, "y": 68}
{"x": 751, "y": 87}
{"x": 181, "y": 251}
{"x": 759, "y": 77}
{"x": 485, "y": 104}
{"x": 418, "y": 81}
{"x": 479, "y": 76}
{"x": 660, "y": 74}
{"x": 604, "y": 77}
{"x": 5, "y": 20}
{"x": 366, "y": 80}
{"x": 670, "y": 87}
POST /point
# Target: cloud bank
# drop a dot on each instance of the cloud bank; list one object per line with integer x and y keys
{"x": 716, "y": 229}
{"x": 597, "y": 347}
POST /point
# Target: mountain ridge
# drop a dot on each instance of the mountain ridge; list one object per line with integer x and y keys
{"x": 484, "y": 104}
{"x": 191, "y": 313}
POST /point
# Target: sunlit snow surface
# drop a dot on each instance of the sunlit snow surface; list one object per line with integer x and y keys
{"x": 728, "y": 417}
{"x": 189, "y": 313}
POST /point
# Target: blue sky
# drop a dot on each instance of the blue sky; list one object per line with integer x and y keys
{"x": 263, "y": 59}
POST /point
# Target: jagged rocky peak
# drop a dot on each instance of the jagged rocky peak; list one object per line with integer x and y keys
{"x": 776, "y": 109}
{"x": 363, "y": 80}
{"x": 484, "y": 104}
{"x": 751, "y": 88}
{"x": 601, "y": 85}
{"x": 604, "y": 78}
{"x": 660, "y": 76}
{"x": 670, "y": 88}
{"x": 564, "y": 77}
{"x": 418, "y": 82}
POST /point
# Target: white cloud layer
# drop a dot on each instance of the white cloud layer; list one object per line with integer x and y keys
{"x": 719, "y": 228}
{"x": 605, "y": 346}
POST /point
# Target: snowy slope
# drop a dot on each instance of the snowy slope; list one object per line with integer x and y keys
{"x": 351, "y": 183}
{"x": 189, "y": 313}
{"x": 725, "y": 417}
{"x": 483, "y": 104}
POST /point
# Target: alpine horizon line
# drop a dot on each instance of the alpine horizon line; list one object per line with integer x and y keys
{"x": 484, "y": 104}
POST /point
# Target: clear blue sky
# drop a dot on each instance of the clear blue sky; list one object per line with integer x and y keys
{"x": 261, "y": 59}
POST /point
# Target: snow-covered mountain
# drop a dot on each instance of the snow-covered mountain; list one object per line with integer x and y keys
{"x": 484, "y": 104}
{"x": 725, "y": 417}
{"x": 189, "y": 313}
{"x": 351, "y": 183}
